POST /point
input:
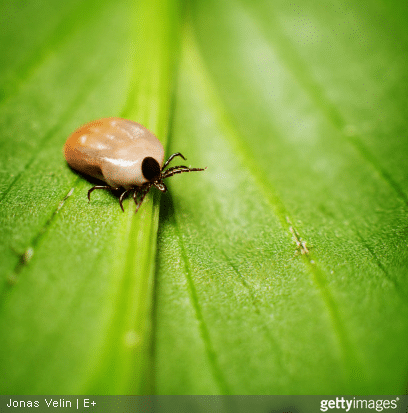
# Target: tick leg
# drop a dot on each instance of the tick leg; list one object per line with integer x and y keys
{"x": 99, "y": 187}
{"x": 175, "y": 167}
{"x": 136, "y": 192}
{"x": 144, "y": 192}
{"x": 172, "y": 157}
{"x": 172, "y": 172}
{"x": 122, "y": 197}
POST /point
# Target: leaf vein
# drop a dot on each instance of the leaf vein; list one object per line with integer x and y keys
{"x": 44, "y": 229}
{"x": 205, "y": 335}
{"x": 85, "y": 88}
{"x": 246, "y": 158}
{"x": 277, "y": 348}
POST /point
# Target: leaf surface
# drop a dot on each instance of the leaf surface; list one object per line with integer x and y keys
{"x": 289, "y": 253}
{"x": 76, "y": 291}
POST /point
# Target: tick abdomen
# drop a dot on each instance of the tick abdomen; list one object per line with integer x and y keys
{"x": 112, "y": 150}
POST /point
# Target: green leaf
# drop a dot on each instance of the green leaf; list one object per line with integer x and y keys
{"x": 281, "y": 269}
{"x": 76, "y": 295}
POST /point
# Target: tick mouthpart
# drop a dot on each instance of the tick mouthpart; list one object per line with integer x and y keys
{"x": 160, "y": 186}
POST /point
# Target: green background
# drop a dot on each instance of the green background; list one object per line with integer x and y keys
{"x": 281, "y": 269}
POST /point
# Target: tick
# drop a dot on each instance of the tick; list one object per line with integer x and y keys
{"x": 122, "y": 153}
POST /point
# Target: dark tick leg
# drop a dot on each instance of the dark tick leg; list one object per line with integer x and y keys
{"x": 179, "y": 171}
{"x": 143, "y": 192}
{"x": 121, "y": 198}
{"x": 172, "y": 157}
{"x": 99, "y": 187}
{"x": 136, "y": 192}
{"x": 175, "y": 167}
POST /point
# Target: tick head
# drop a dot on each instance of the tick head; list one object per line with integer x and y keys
{"x": 151, "y": 169}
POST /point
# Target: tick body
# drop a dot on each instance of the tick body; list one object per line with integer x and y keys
{"x": 122, "y": 153}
